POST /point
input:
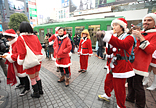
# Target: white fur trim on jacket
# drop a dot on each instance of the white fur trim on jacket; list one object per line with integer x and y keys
{"x": 142, "y": 73}
{"x": 150, "y": 31}
{"x": 9, "y": 58}
{"x": 107, "y": 37}
{"x": 19, "y": 74}
{"x": 109, "y": 56}
{"x": 144, "y": 44}
{"x": 152, "y": 64}
{"x": 154, "y": 55}
{"x": 53, "y": 58}
{"x": 12, "y": 41}
{"x": 124, "y": 75}
{"x": 59, "y": 65}
{"x": 63, "y": 36}
{"x": 20, "y": 62}
{"x": 26, "y": 33}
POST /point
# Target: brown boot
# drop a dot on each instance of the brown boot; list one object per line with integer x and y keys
{"x": 62, "y": 79}
{"x": 67, "y": 82}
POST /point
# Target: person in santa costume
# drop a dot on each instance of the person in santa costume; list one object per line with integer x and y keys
{"x": 11, "y": 60}
{"x": 32, "y": 41}
{"x": 85, "y": 50}
{"x": 121, "y": 68}
{"x": 152, "y": 67}
{"x": 62, "y": 46}
{"x": 146, "y": 45}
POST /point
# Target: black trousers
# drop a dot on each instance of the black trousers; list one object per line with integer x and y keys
{"x": 136, "y": 90}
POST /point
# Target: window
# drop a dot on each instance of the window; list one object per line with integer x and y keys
{"x": 50, "y": 30}
{"x": 92, "y": 32}
{"x": 68, "y": 30}
{"x": 109, "y": 27}
{"x": 78, "y": 30}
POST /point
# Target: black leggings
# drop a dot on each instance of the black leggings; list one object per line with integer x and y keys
{"x": 62, "y": 71}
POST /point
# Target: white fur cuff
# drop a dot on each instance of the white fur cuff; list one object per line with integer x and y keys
{"x": 51, "y": 43}
{"x": 9, "y": 58}
{"x": 144, "y": 44}
{"x": 107, "y": 37}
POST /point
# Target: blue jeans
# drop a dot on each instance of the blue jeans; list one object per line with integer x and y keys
{"x": 100, "y": 52}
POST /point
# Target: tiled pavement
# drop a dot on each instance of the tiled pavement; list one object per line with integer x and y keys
{"x": 81, "y": 93}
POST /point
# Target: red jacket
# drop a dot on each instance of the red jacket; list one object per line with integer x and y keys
{"x": 12, "y": 58}
{"x": 32, "y": 42}
{"x": 122, "y": 69}
{"x": 65, "y": 47}
{"x": 53, "y": 37}
{"x": 85, "y": 47}
{"x": 143, "y": 55}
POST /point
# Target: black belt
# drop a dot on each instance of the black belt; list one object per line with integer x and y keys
{"x": 84, "y": 48}
{"x": 122, "y": 58}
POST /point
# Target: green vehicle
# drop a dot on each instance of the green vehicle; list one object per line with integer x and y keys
{"x": 76, "y": 27}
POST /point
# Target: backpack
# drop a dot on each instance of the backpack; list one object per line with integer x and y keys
{"x": 132, "y": 55}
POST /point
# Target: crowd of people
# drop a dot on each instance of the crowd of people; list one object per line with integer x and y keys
{"x": 131, "y": 56}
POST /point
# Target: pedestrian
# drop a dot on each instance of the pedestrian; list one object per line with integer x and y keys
{"x": 51, "y": 50}
{"x": 101, "y": 44}
{"x": 46, "y": 42}
{"x": 146, "y": 45}
{"x": 121, "y": 68}
{"x": 28, "y": 38}
{"x": 152, "y": 67}
{"x": 2, "y": 51}
{"x": 76, "y": 42}
{"x": 11, "y": 58}
{"x": 85, "y": 50}
{"x": 35, "y": 33}
{"x": 72, "y": 43}
{"x": 51, "y": 42}
{"x": 62, "y": 46}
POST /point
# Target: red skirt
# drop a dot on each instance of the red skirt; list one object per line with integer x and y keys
{"x": 63, "y": 62}
{"x": 34, "y": 69}
{"x": 153, "y": 62}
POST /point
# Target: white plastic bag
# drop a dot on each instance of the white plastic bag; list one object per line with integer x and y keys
{"x": 76, "y": 49}
{"x": 31, "y": 59}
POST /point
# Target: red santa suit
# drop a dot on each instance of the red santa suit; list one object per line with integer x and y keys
{"x": 34, "y": 44}
{"x": 120, "y": 69}
{"x": 85, "y": 49}
{"x": 11, "y": 58}
{"x": 62, "y": 46}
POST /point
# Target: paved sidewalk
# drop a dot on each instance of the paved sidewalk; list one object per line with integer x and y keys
{"x": 81, "y": 93}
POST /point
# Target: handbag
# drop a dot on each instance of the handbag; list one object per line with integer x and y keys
{"x": 31, "y": 59}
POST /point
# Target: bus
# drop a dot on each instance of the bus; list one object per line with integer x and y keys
{"x": 76, "y": 27}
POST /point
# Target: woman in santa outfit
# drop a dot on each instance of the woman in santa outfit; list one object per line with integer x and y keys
{"x": 152, "y": 67}
{"x": 33, "y": 43}
{"x": 11, "y": 58}
{"x": 121, "y": 68}
{"x": 62, "y": 46}
{"x": 85, "y": 50}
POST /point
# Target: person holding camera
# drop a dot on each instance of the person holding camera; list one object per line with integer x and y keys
{"x": 146, "y": 45}
{"x": 120, "y": 66}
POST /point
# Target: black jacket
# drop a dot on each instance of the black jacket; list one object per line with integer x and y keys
{"x": 2, "y": 47}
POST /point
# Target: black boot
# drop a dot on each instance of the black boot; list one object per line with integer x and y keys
{"x": 36, "y": 91}
{"x": 21, "y": 85}
{"x": 39, "y": 83}
{"x": 27, "y": 86}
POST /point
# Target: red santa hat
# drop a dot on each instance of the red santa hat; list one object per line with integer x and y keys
{"x": 10, "y": 32}
{"x": 56, "y": 29}
{"x": 120, "y": 21}
{"x": 153, "y": 15}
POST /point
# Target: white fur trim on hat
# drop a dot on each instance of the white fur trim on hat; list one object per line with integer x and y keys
{"x": 153, "y": 15}
{"x": 124, "y": 25}
{"x": 56, "y": 29}
{"x": 8, "y": 34}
